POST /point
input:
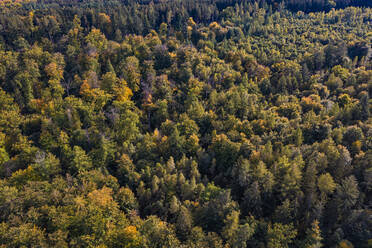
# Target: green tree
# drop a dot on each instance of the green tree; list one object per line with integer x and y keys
{"x": 280, "y": 236}
{"x": 80, "y": 160}
{"x": 313, "y": 236}
{"x": 130, "y": 71}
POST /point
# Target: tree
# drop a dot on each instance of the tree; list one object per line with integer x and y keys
{"x": 347, "y": 193}
{"x": 280, "y": 236}
{"x": 158, "y": 233}
{"x": 126, "y": 126}
{"x": 365, "y": 109}
{"x": 184, "y": 223}
{"x": 313, "y": 236}
{"x": 3, "y": 153}
{"x": 127, "y": 200}
{"x": 236, "y": 123}
{"x": 80, "y": 160}
{"x": 225, "y": 151}
{"x": 22, "y": 236}
{"x": 131, "y": 73}
{"x": 117, "y": 87}
{"x": 127, "y": 237}
{"x": 326, "y": 184}
{"x": 97, "y": 40}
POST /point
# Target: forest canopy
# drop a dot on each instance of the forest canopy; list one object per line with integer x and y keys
{"x": 186, "y": 124}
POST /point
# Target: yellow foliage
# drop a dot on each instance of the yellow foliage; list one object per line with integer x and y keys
{"x": 164, "y": 139}
{"x": 104, "y": 18}
{"x": 101, "y": 246}
{"x": 23, "y": 176}
{"x": 102, "y": 197}
{"x": 214, "y": 25}
{"x": 123, "y": 93}
{"x": 131, "y": 232}
{"x": 255, "y": 156}
{"x": 85, "y": 89}
{"x": 194, "y": 139}
{"x": 156, "y": 133}
{"x": 51, "y": 106}
{"x": 53, "y": 70}
{"x": 80, "y": 202}
{"x": 192, "y": 142}
{"x": 172, "y": 55}
{"x": 286, "y": 67}
{"x": 98, "y": 96}
{"x": 97, "y": 39}
{"x": 356, "y": 146}
{"x": 38, "y": 104}
{"x": 14, "y": 3}
{"x": 31, "y": 14}
{"x": 326, "y": 183}
{"x": 73, "y": 32}
{"x": 191, "y": 22}
{"x": 345, "y": 244}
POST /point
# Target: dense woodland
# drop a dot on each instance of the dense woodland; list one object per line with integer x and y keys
{"x": 181, "y": 124}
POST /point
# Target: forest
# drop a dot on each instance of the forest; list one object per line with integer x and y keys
{"x": 185, "y": 124}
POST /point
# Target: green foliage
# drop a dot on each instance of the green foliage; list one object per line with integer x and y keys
{"x": 280, "y": 235}
{"x": 185, "y": 124}
{"x": 326, "y": 184}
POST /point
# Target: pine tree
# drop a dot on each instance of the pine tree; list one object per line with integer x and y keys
{"x": 313, "y": 237}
